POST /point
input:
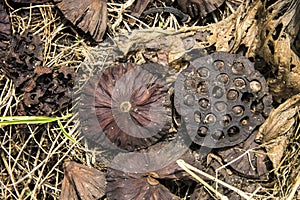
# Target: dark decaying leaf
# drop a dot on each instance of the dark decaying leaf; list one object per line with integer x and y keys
{"x": 124, "y": 186}
{"x": 147, "y": 185}
{"x": 89, "y": 15}
{"x": 196, "y": 8}
{"x": 31, "y": 1}
{"x": 150, "y": 185}
{"x": 5, "y": 30}
{"x": 82, "y": 182}
{"x": 139, "y": 7}
{"x": 254, "y": 164}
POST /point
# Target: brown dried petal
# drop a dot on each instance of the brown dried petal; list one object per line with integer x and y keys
{"x": 252, "y": 165}
{"x": 197, "y": 8}
{"x": 82, "y": 182}
{"x": 31, "y": 1}
{"x": 5, "y": 27}
{"x": 139, "y": 7}
{"x": 89, "y": 15}
{"x": 124, "y": 186}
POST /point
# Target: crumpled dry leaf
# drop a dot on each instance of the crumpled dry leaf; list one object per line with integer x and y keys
{"x": 89, "y": 15}
{"x": 278, "y": 32}
{"x": 280, "y": 120}
{"x": 252, "y": 164}
{"x": 5, "y": 26}
{"x": 82, "y": 182}
{"x": 277, "y": 128}
{"x": 30, "y": 1}
{"x": 200, "y": 8}
{"x": 139, "y": 7}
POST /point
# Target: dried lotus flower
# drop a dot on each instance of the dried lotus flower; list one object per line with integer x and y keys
{"x": 82, "y": 182}
{"x": 89, "y": 15}
{"x": 149, "y": 184}
{"x": 124, "y": 186}
{"x": 196, "y": 8}
{"x": 131, "y": 106}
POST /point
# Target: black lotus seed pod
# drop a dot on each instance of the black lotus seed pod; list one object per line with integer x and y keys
{"x": 231, "y": 97}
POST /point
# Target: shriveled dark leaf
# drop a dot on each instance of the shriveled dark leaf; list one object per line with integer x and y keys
{"x": 151, "y": 184}
{"x": 124, "y": 186}
{"x": 82, "y": 182}
{"x": 89, "y": 15}
{"x": 5, "y": 27}
{"x": 139, "y": 7}
{"x": 254, "y": 164}
{"x": 196, "y": 8}
{"x": 31, "y": 1}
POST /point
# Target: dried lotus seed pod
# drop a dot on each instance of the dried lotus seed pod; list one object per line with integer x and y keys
{"x": 232, "y": 101}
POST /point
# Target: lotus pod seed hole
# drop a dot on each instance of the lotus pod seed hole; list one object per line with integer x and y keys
{"x": 239, "y": 83}
{"x": 232, "y": 95}
{"x": 238, "y": 67}
{"x": 197, "y": 116}
{"x": 189, "y": 100}
{"x": 232, "y": 131}
{"x": 217, "y": 92}
{"x": 218, "y": 134}
{"x": 210, "y": 119}
{"x": 202, "y": 131}
{"x": 204, "y": 103}
{"x": 238, "y": 110}
{"x": 223, "y": 78}
{"x": 244, "y": 121}
{"x": 226, "y": 120}
{"x": 255, "y": 86}
{"x": 203, "y": 72}
{"x": 203, "y": 87}
{"x": 219, "y": 65}
{"x": 220, "y": 106}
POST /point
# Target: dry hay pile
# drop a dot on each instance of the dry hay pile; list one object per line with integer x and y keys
{"x": 32, "y": 155}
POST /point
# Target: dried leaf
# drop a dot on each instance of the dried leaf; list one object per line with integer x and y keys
{"x": 30, "y": 1}
{"x": 5, "y": 26}
{"x": 200, "y": 8}
{"x": 139, "y": 7}
{"x": 280, "y": 120}
{"x": 89, "y": 15}
{"x": 247, "y": 158}
{"x": 82, "y": 182}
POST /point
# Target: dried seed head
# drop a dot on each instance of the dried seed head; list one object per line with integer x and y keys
{"x": 131, "y": 106}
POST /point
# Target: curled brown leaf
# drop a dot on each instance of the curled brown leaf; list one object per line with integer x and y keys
{"x": 90, "y": 15}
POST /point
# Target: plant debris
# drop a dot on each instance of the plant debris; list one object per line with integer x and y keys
{"x": 5, "y": 31}
{"x": 82, "y": 182}
{"x": 248, "y": 159}
{"x": 148, "y": 185}
{"x": 278, "y": 128}
{"x": 89, "y": 15}
{"x": 41, "y": 53}
{"x": 199, "y": 8}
